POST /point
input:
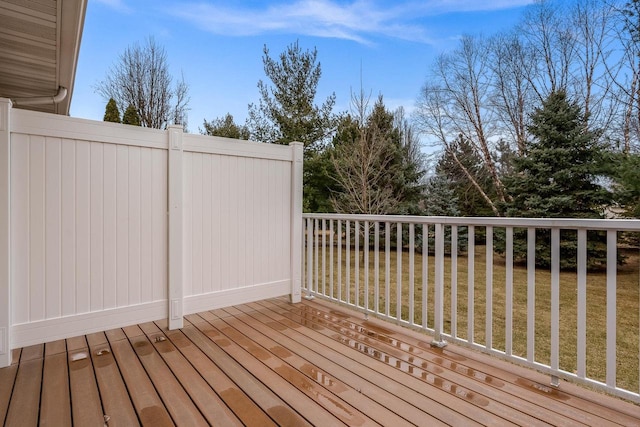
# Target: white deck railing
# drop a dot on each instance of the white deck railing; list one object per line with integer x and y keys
{"x": 579, "y": 325}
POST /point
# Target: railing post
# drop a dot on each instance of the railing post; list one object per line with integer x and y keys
{"x": 5, "y": 230}
{"x": 439, "y": 288}
{"x": 612, "y": 263}
{"x": 296, "y": 220}
{"x": 176, "y": 247}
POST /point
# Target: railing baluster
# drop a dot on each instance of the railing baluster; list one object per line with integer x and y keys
{"x": 489, "y": 290}
{"x": 411, "y": 273}
{"x": 508, "y": 315}
{"x": 555, "y": 302}
{"x": 376, "y": 268}
{"x": 324, "y": 257}
{"x": 399, "y": 271}
{"x": 454, "y": 281}
{"x": 366, "y": 266}
{"x": 439, "y": 287}
{"x": 348, "y": 253}
{"x": 531, "y": 294}
{"x": 356, "y": 268}
{"x": 471, "y": 264}
{"x": 339, "y": 260}
{"x": 387, "y": 267}
{"x": 309, "y": 258}
{"x": 425, "y": 274}
{"x": 331, "y": 259}
{"x": 582, "y": 304}
{"x": 315, "y": 257}
{"x": 612, "y": 262}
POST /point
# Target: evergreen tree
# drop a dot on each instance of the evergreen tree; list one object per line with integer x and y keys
{"x": 225, "y": 127}
{"x": 559, "y": 177}
{"x": 626, "y": 174}
{"x": 131, "y": 117}
{"x": 320, "y": 181}
{"x": 455, "y": 162}
{"x": 287, "y": 112}
{"x": 439, "y": 197}
{"x": 375, "y": 172}
{"x": 111, "y": 112}
{"x": 440, "y": 200}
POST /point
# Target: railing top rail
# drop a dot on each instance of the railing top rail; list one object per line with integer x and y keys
{"x": 563, "y": 223}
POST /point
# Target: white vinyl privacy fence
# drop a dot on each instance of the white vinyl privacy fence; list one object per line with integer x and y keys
{"x": 105, "y": 225}
{"x": 474, "y": 281}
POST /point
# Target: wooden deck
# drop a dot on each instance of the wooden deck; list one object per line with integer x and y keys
{"x": 274, "y": 363}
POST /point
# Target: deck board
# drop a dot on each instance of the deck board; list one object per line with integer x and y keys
{"x": 297, "y": 359}
{"x": 276, "y": 363}
{"x": 7, "y": 380}
{"x": 86, "y": 406}
{"x": 297, "y": 399}
{"x": 264, "y": 397}
{"x": 25, "y": 398}
{"x": 116, "y": 403}
{"x": 519, "y": 388}
{"x": 522, "y": 383}
{"x": 149, "y": 407}
{"x": 203, "y": 396}
{"x": 396, "y": 410}
{"x": 55, "y": 405}
{"x": 174, "y": 396}
{"x": 230, "y": 393}
{"x": 459, "y": 377}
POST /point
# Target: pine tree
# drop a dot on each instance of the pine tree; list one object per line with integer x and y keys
{"x": 225, "y": 127}
{"x": 558, "y": 177}
{"x": 131, "y": 117}
{"x": 111, "y": 112}
{"x": 373, "y": 168}
{"x": 440, "y": 200}
{"x": 455, "y": 162}
{"x": 286, "y": 111}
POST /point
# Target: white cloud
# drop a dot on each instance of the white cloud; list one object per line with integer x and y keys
{"x": 449, "y": 6}
{"x": 357, "y": 20}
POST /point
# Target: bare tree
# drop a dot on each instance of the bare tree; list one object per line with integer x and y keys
{"x": 593, "y": 23}
{"x": 434, "y": 121}
{"x": 409, "y": 138}
{"x": 361, "y": 169}
{"x": 513, "y": 91}
{"x": 626, "y": 73}
{"x": 460, "y": 104}
{"x": 141, "y": 78}
{"x": 552, "y": 43}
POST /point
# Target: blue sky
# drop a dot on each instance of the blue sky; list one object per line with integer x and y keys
{"x": 217, "y": 45}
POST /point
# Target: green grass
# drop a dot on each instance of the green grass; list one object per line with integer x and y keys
{"x": 628, "y": 301}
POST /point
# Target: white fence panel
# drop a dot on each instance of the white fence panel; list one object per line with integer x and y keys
{"x": 237, "y": 222}
{"x": 89, "y": 224}
{"x": 88, "y": 230}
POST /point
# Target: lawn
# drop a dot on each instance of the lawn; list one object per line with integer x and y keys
{"x": 628, "y": 301}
